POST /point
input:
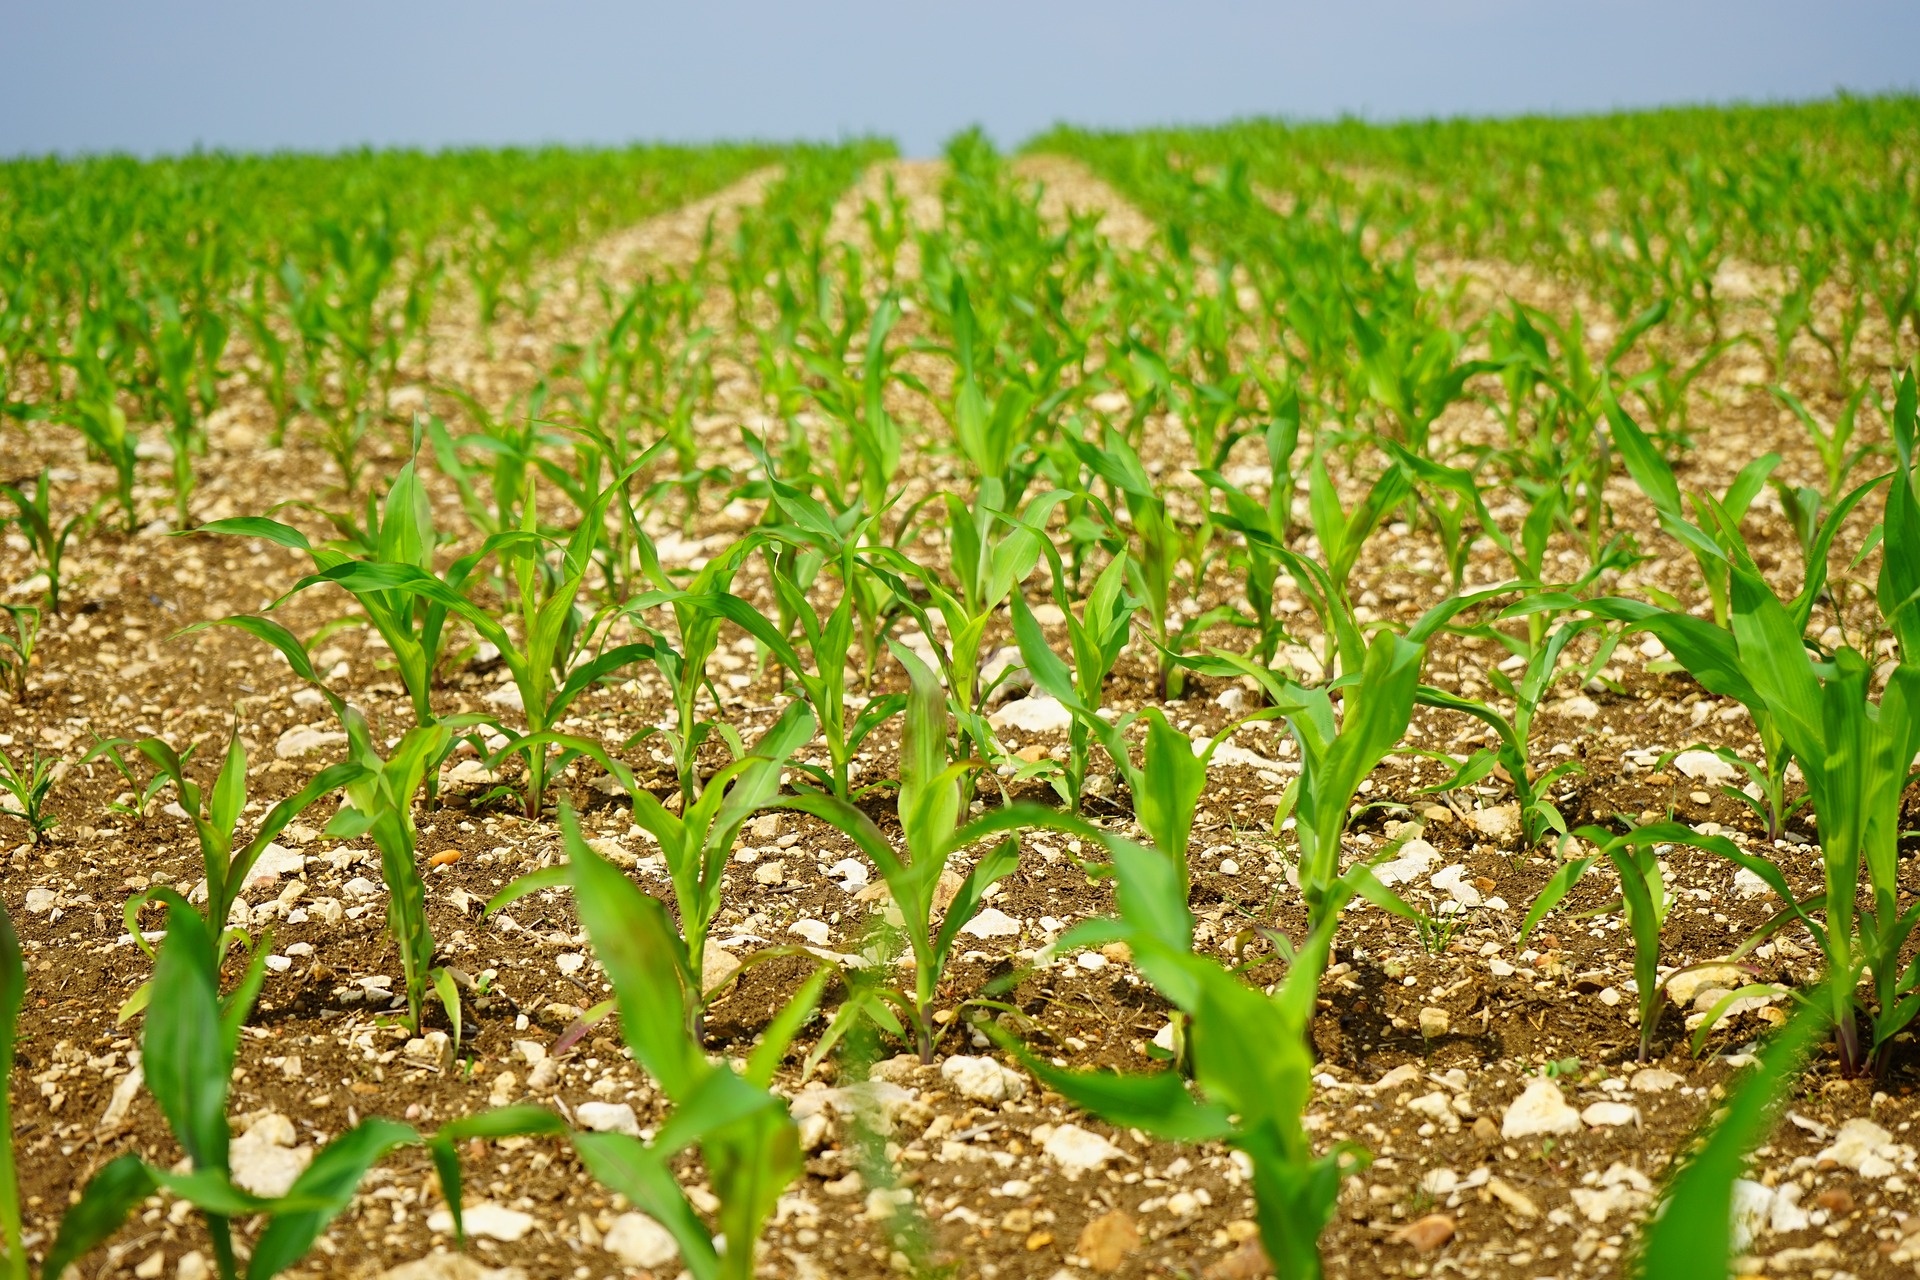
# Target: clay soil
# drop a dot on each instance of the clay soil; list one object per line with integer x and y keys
{"x": 323, "y": 1049}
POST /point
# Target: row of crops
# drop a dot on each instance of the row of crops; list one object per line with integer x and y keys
{"x": 999, "y": 450}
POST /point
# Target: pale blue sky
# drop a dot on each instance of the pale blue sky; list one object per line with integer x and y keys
{"x": 165, "y": 75}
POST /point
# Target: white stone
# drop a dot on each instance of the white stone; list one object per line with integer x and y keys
{"x": 983, "y": 1079}
{"x": 276, "y": 861}
{"x": 1706, "y": 766}
{"x": 851, "y": 873}
{"x": 1785, "y": 1214}
{"x": 278, "y": 964}
{"x": 569, "y": 962}
{"x": 639, "y": 1241}
{"x": 1405, "y": 1073}
{"x": 1748, "y": 884}
{"x": 1655, "y": 1080}
{"x": 992, "y": 923}
{"x": 264, "y": 1159}
{"x": 507, "y": 696}
{"x": 1540, "y": 1109}
{"x": 360, "y": 887}
{"x": 1683, "y": 988}
{"x": 1078, "y": 1150}
{"x": 1451, "y": 880}
{"x": 717, "y": 964}
{"x": 1500, "y": 968}
{"x": 304, "y": 741}
{"x": 494, "y": 1221}
{"x": 1606, "y": 1115}
{"x": 814, "y": 931}
{"x": 1500, "y": 822}
{"x": 609, "y": 1117}
{"x": 1752, "y": 1207}
{"x": 1437, "y": 1107}
{"x": 1411, "y": 862}
{"x": 1580, "y": 707}
{"x": 1866, "y": 1148}
{"x": 1033, "y": 715}
{"x": 451, "y": 1266}
{"x": 40, "y": 901}
{"x": 125, "y": 1090}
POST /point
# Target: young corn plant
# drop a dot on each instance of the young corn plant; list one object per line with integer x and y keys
{"x": 930, "y": 806}
{"x": 683, "y": 659}
{"x": 989, "y": 568}
{"x": 1838, "y": 453}
{"x": 1655, "y": 477}
{"x": 551, "y": 625}
{"x": 13, "y": 992}
{"x": 1265, "y": 529}
{"x": 828, "y": 640}
{"x": 226, "y": 861}
{"x": 29, "y": 783}
{"x": 379, "y": 804}
{"x": 744, "y": 1136}
{"x": 17, "y": 644}
{"x": 1095, "y": 636}
{"x": 1158, "y": 547}
{"x": 1336, "y": 755}
{"x": 184, "y": 347}
{"x": 399, "y": 533}
{"x": 1532, "y": 789}
{"x": 1643, "y": 901}
{"x": 46, "y": 535}
{"x": 1252, "y": 1064}
{"x": 1856, "y": 754}
{"x": 187, "y": 1051}
{"x": 1689, "y": 1233}
{"x": 94, "y": 409}
{"x": 696, "y": 844}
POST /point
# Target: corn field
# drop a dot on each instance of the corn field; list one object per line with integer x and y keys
{"x": 1273, "y": 699}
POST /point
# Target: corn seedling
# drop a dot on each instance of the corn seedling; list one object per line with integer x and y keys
{"x": 29, "y": 783}
{"x": 1643, "y": 901}
{"x": 46, "y": 535}
{"x": 13, "y": 992}
{"x": 399, "y": 534}
{"x": 1834, "y": 443}
{"x": 225, "y": 861}
{"x": 379, "y": 804}
{"x": 930, "y": 809}
{"x": 1095, "y": 637}
{"x": 1251, "y": 1062}
{"x": 696, "y": 845}
{"x": 17, "y": 644}
{"x": 1532, "y": 789}
{"x": 141, "y": 792}
{"x": 828, "y": 640}
{"x": 551, "y": 626}
{"x": 744, "y": 1136}
{"x": 188, "y": 1046}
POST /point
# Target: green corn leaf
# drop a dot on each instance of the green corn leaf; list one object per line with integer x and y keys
{"x": 628, "y": 1166}
{"x": 106, "y": 1202}
{"x": 639, "y": 948}
{"x": 331, "y": 1180}
{"x": 1002, "y": 861}
{"x": 1692, "y": 1235}
{"x": 185, "y": 1050}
